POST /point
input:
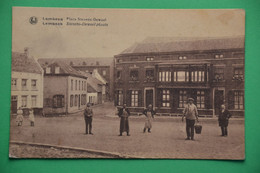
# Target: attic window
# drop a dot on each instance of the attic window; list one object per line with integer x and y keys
{"x": 48, "y": 70}
{"x": 57, "y": 70}
{"x": 219, "y": 56}
{"x": 182, "y": 57}
{"x": 149, "y": 58}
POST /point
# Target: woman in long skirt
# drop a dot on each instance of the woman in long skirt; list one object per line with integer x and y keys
{"x": 19, "y": 118}
{"x": 149, "y": 114}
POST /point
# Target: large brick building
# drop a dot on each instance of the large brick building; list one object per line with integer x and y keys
{"x": 166, "y": 71}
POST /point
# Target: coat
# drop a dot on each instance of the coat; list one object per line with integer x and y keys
{"x": 124, "y": 123}
{"x": 223, "y": 118}
{"x": 148, "y": 120}
{"x": 88, "y": 113}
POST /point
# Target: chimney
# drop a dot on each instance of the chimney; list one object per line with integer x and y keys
{"x": 26, "y": 52}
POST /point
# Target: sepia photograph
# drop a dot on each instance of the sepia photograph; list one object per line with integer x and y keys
{"x": 127, "y": 83}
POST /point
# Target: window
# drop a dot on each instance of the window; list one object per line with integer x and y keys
{"x": 165, "y": 76}
{"x": 82, "y": 85}
{"x": 197, "y": 76}
{"x": 134, "y": 74}
{"x": 24, "y": 101}
{"x": 149, "y": 58}
{"x": 34, "y": 101}
{"x": 79, "y": 85}
{"x": 219, "y": 74}
{"x": 239, "y": 100}
{"x": 134, "y": 98}
{"x": 181, "y": 76}
{"x": 48, "y": 70}
{"x": 182, "y": 57}
{"x": 149, "y": 74}
{"x": 200, "y": 99}
{"x": 71, "y": 84}
{"x": 34, "y": 84}
{"x": 85, "y": 85}
{"x": 14, "y": 83}
{"x": 58, "y": 101}
{"x": 57, "y": 70}
{"x": 83, "y": 99}
{"x": 71, "y": 100}
{"x": 118, "y": 74}
{"x": 219, "y": 56}
{"x": 76, "y": 100}
{"x": 238, "y": 74}
{"x": 166, "y": 98}
{"x": 120, "y": 98}
{"x": 24, "y": 84}
{"x": 104, "y": 72}
{"x": 182, "y": 98}
{"x": 76, "y": 84}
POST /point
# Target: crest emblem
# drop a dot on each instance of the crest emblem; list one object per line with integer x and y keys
{"x": 33, "y": 20}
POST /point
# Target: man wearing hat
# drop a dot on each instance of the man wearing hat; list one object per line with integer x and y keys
{"x": 191, "y": 114}
{"x": 88, "y": 114}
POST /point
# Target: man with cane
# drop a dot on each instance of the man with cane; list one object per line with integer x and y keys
{"x": 191, "y": 114}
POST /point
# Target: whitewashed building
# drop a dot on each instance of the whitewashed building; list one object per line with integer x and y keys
{"x": 26, "y": 82}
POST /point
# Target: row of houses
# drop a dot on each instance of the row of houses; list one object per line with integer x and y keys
{"x": 53, "y": 88}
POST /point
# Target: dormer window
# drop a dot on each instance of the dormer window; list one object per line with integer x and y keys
{"x": 57, "y": 70}
{"x": 149, "y": 58}
{"x": 219, "y": 56}
{"x": 48, "y": 70}
{"x": 182, "y": 57}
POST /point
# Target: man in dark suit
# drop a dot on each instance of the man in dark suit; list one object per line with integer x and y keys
{"x": 124, "y": 123}
{"x": 88, "y": 114}
{"x": 223, "y": 118}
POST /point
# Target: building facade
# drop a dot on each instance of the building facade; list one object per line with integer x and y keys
{"x": 166, "y": 72}
{"x": 26, "y": 83}
{"x": 65, "y": 89}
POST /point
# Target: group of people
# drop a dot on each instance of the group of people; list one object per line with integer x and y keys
{"x": 190, "y": 112}
{"x": 20, "y": 119}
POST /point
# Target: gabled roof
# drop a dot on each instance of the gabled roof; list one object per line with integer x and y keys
{"x": 173, "y": 44}
{"x": 93, "y": 82}
{"x": 22, "y": 63}
{"x": 65, "y": 69}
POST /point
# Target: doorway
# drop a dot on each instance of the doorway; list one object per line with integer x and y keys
{"x": 218, "y": 100}
{"x": 149, "y": 97}
{"x": 13, "y": 104}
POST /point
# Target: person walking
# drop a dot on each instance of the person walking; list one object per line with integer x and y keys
{"x": 124, "y": 113}
{"x": 149, "y": 114}
{"x": 31, "y": 117}
{"x": 88, "y": 115}
{"x": 223, "y": 119}
{"x": 191, "y": 114}
{"x": 19, "y": 118}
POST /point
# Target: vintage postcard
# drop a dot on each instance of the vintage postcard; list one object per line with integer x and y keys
{"x": 127, "y": 83}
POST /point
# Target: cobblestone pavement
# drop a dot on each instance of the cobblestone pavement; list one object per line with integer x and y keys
{"x": 165, "y": 141}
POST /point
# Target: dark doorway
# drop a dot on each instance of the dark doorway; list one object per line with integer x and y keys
{"x": 149, "y": 97}
{"x": 218, "y": 100}
{"x": 13, "y": 104}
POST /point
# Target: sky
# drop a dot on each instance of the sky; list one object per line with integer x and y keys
{"x": 123, "y": 28}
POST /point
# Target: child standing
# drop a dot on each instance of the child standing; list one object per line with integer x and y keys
{"x": 19, "y": 118}
{"x": 31, "y": 117}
